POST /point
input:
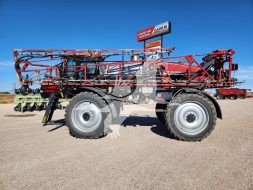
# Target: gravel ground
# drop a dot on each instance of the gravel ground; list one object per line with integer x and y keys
{"x": 139, "y": 155}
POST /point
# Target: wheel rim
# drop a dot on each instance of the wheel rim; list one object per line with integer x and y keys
{"x": 86, "y": 116}
{"x": 191, "y": 118}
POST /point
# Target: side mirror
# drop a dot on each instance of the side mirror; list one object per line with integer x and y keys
{"x": 234, "y": 67}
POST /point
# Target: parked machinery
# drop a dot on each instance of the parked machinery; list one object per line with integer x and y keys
{"x": 99, "y": 82}
{"x": 231, "y": 93}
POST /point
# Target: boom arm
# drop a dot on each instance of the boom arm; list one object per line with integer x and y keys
{"x": 105, "y": 68}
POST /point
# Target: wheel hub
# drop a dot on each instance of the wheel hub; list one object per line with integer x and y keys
{"x": 190, "y": 117}
{"x": 87, "y": 116}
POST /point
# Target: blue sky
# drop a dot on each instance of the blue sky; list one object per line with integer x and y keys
{"x": 198, "y": 26}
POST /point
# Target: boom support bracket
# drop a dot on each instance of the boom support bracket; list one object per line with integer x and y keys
{"x": 53, "y": 100}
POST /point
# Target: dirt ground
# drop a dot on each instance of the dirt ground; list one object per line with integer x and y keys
{"x": 6, "y": 98}
{"x": 138, "y": 155}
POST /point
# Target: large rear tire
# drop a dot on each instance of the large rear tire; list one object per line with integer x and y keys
{"x": 190, "y": 117}
{"x": 88, "y": 116}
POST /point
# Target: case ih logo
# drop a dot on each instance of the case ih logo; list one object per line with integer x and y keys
{"x": 153, "y": 31}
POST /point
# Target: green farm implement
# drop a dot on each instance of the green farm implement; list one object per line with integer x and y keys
{"x": 33, "y": 102}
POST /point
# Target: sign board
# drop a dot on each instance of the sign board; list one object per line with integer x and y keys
{"x": 153, "y": 45}
{"x": 154, "y": 31}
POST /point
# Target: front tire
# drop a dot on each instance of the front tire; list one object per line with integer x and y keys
{"x": 88, "y": 116}
{"x": 190, "y": 117}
